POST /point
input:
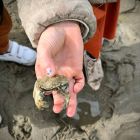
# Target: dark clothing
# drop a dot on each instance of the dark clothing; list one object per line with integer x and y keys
{"x": 5, "y": 27}
{"x": 1, "y": 10}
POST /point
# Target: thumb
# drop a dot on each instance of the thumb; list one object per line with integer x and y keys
{"x": 50, "y": 43}
{"x": 45, "y": 66}
{"x": 50, "y": 69}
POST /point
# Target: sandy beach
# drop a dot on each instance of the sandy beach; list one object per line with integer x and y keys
{"x": 111, "y": 113}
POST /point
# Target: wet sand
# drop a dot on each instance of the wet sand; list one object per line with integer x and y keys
{"x": 111, "y": 113}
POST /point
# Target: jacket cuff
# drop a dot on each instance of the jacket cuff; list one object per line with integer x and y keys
{"x": 50, "y": 12}
{"x": 101, "y": 1}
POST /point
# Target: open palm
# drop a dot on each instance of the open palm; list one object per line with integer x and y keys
{"x": 60, "y": 49}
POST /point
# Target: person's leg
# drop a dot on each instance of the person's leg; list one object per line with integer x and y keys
{"x": 11, "y": 50}
{"x": 5, "y": 27}
{"x": 111, "y": 41}
{"x": 111, "y": 21}
{"x": 92, "y": 62}
{"x": 107, "y": 19}
{"x": 94, "y": 45}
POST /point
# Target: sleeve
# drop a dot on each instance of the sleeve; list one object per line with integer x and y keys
{"x": 37, "y": 15}
{"x": 101, "y": 1}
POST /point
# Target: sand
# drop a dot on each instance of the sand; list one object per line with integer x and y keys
{"x": 111, "y": 113}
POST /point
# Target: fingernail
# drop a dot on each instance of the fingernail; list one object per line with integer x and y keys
{"x": 49, "y": 71}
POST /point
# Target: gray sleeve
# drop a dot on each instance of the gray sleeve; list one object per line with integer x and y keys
{"x": 37, "y": 15}
{"x": 101, "y": 1}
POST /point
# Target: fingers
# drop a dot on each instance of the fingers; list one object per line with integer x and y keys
{"x": 71, "y": 109}
{"x": 58, "y": 102}
{"x": 79, "y": 82}
{"x": 75, "y": 86}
